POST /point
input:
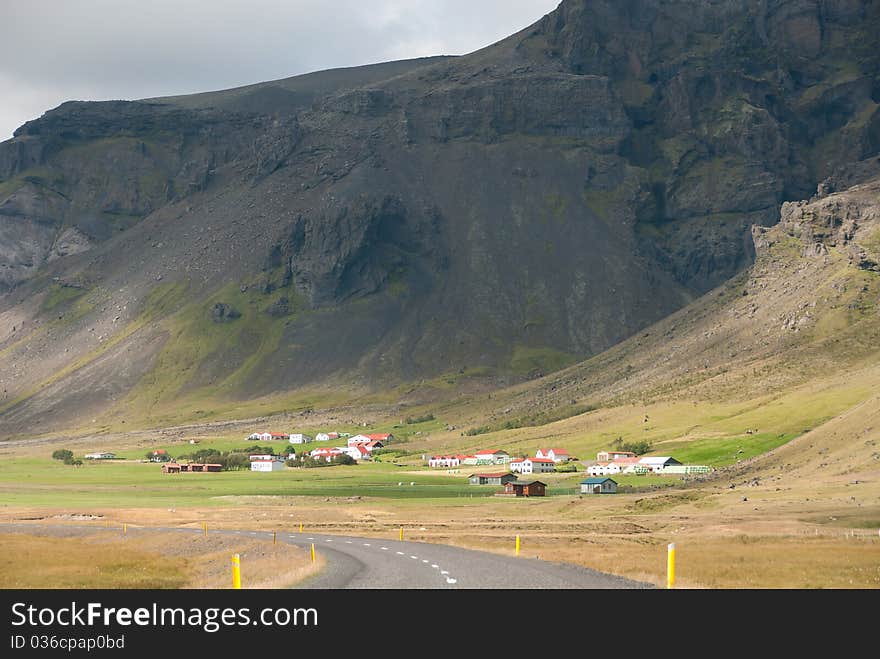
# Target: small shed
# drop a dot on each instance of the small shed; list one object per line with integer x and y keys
{"x": 525, "y": 488}
{"x": 491, "y": 479}
{"x": 599, "y": 486}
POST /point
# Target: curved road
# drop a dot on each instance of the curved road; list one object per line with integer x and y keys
{"x": 376, "y": 563}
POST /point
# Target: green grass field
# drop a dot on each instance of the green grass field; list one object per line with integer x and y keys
{"x": 123, "y": 484}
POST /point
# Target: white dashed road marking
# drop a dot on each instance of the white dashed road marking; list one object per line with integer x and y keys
{"x": 400, "y": 553}
{"x": 435, "y": 566}
{"x": 444, "y": 572}
{"x": 384, "y": 548}
{"x": 448, "y": 580}
{"x": 367, "y": 544}
{"x": 424, "y": 560}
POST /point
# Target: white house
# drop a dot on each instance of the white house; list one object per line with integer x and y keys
{"x": 532, "y": 465}
{"x": 555, "y": 454}
{"x": 266, "y": 463}
{"x": 103, "y": 455}
{"x": 358, "y": 452}
{"x": 326, "y": 436}
{"x": 657, "y": 464}
{"x": 325, "y": 453}
{"x": 604, "y": 469}
{"x": 444, "y": 461}
{"x": 299, "y": 438}
{"x": 265, "y": 436}
{"x": 469, "y": 460}
{"x": 255, "y": 436}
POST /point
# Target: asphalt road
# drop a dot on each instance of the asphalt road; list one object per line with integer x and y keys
{"x": 372, "y": 563}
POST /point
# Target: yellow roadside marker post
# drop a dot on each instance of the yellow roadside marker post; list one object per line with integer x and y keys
{"x": 313, "y": 552}
{"x": 517, "y": 545}
{"x": 274, "y": 537}
{"x": 401, "y": 533}
{"x": 300, "y": 527}
{"x": 670, "y": 566}
{"x": 205, "y": 525}
{"x": 236, "y": 571}
{"x": 124, "y": 528}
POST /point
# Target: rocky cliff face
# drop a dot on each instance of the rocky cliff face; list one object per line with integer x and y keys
{"x": 505, "y": 212}
{"x": 848, "y": 222}
{"x": 735, "y": 106}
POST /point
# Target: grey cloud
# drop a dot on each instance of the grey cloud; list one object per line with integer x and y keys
{"x": 52, "y": 51}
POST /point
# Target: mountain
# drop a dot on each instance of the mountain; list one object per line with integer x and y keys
{"x": 490, "y": 217}
{"x": 788, "y": 343}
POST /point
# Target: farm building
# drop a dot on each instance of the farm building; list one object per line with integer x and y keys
{"x": 326, "y": 454}
{"x": 160, "y": 455}
{"x": 609, "y": 456}
{"x": 439, "y": 461}
{"x": 202, "y": 468}
{"x": 631, "y": 465}
{"x": 102, "y": 455}
{"x": 175, "y": 468}
{"x": 532, "y": 466}
{"x": 255, "y": 436}
{"x": 599, "y": 486}
{"x": 525, "y": 488}
{"x": 604, "y": 469}
{"x": 299, "y": 438}
{"x": 555, "y": 454}
{"x": 490, "y": 457}
{"x": 358, "y": 452}
{"x": 491, "y": 479}
{"x": 326, "y": 436}
{"x": 657, "y": 464}
{"x": 266, "y": 463}
{"x": 383, "y": 437}
{"x": 372, "y": 445}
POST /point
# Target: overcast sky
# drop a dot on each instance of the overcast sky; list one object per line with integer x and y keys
{"x": 52, "y": 51}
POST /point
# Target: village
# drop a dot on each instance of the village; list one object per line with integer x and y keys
{"x": 559, "y": 460}
{"x": 361, "y": 447}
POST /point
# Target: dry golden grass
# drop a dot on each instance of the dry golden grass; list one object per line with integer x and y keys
{"x": 63, "y": 558}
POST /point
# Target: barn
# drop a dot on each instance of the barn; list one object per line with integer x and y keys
{"x": 500, "y": 478}
{"x": 525, "y": 488}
